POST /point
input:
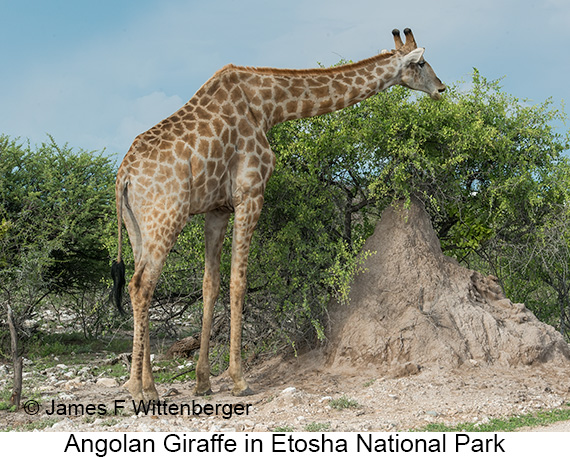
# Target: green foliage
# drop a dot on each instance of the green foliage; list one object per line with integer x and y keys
{"x": 5, "y": 403}
{"x": 541, "y": 418}
{"x": 117, "y": 370}
{"x": 343, "y": 403}
{"x": 58, "y": 344}
{"x": 284, "y": 429}
{"x": 342, "y": 272}
{"x": 55, "y": 206}
{"x": 318, "y": 427}
{"x": 173, "y": 370}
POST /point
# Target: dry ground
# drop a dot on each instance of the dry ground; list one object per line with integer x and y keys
{"x": 293, "y": 395}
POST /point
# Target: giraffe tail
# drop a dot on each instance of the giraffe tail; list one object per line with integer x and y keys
{"x": 118, "y": 275}
{"x": 118, "y": 267}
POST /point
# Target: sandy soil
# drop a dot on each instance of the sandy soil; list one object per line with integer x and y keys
{"x": 293, "y": 395}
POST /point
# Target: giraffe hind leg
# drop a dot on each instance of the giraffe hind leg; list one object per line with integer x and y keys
{"x": 150, "y": 250}
{"x": 148, "y": 387}
{"x": 141, "y": 289}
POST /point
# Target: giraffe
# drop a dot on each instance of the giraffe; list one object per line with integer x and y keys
{"x": 212, "y": 156}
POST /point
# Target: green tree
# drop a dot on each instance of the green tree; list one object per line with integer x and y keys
{"x": 483, "y": 161}
{"x": 536, "y": 264}
{"x": 55, "y": 207}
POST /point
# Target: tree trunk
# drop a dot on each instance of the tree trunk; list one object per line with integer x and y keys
{"x": 563, "y": 306}
{"x": 17, "y": 360}
{"x": 348, "y": 220}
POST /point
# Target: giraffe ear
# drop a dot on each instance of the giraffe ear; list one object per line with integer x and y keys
{"x": 414, "y": 56}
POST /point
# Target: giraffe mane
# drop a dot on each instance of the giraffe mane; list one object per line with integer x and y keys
{"x": 310, "y": 71}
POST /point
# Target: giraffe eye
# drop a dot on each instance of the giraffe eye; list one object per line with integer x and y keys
{"x": 422, "y": 63}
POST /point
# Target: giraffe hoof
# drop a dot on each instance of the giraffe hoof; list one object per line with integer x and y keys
{"x": 242, "y": 393}
{"x": 135, "y": 391}
{"x": 151, "y": 395}
{"x": 137, "y": 397}
{"x": 198, "y": 393}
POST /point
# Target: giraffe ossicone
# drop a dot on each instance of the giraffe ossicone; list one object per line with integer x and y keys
{"x": 212, "y": 156}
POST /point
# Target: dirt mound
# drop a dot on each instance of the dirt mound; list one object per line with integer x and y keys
{"x": 413, "y": 307}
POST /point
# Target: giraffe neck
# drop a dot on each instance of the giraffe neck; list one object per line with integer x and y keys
{"x": 282, "y": 95}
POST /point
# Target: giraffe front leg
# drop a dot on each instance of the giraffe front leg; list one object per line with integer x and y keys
{"x": 246, "y": 217}
{"x": 215, "y": 229}
{"x": 203, "y": 386}
{"x": 241, "y": 388}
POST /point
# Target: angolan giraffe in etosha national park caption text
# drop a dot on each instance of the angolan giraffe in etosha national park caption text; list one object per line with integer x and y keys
{"x": 212, "y": 156}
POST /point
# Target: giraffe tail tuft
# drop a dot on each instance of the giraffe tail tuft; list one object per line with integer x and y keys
{"x": 118, "y": 275}
{"x": 118, "y": 267}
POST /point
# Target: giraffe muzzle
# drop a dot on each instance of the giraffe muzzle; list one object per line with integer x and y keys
{"x": 436, "y": 94}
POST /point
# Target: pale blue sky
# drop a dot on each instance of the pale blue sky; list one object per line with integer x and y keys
{"x": 95, "y": 74}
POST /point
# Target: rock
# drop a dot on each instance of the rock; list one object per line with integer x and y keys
{"x": 63, "y": 424}
{"x": 172, "y": 392}
{"x": 46, "y": 388}
{"x": 406, "y": 369}
{"x": 83, "y": 372}
{"x": 224, "y": 387}
{"x": 73, "y": 384}
{"x": 248, "y": 424}
{"x": 291, "y": 397}
{"x": 260, "y": 428}
{"x": 107, "y": 382}
{"x": 228, "y": 430}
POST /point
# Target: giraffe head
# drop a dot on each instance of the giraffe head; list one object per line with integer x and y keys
{"x": 415, "y": 72}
